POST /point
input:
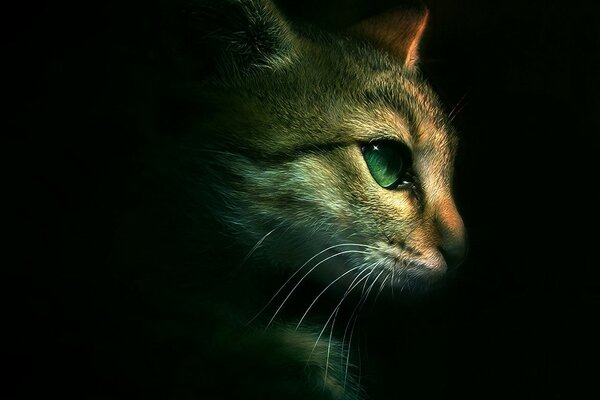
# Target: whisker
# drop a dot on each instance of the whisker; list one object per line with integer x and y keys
{"x": 354, "y": 315}
{"x": 458, "y": 107}
{"x": 336, "y": 311}
{"x": 257, "y": 245}
{"x": 393, "y": 281}
{"x": 335, "y": 317}
{"x": 370, "y": 269}
{"x": 336, "y": 308}
{"x": 381, "y": 287}
{"x": 322, "y": 292}
{"x": 364, "y": 296}
{"x": 375, "y": 280}
{"x": 350, "y": 287}
{"x": 329, "y": 349}
{"x": 349, "y": 346}
{"x": 305, "y": 275}
{"x": 372, "y": 284}
{"x": 297, "y": 271}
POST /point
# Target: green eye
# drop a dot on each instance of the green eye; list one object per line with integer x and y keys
{"x": 388, "y": 162}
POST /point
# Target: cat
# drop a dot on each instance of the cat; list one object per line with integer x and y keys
{"x": 312, "y": 157}
{"x": 293, "y": 174}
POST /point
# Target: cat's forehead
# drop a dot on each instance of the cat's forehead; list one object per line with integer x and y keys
{"x": 411, "y": 107}
{"x": 339, "y": 98}
{"x": 382, "y": 83}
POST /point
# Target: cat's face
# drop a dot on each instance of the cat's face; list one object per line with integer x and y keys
{"x": 339, "y": 161}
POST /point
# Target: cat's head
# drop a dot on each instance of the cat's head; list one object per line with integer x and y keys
{"x": 328, "y": 152}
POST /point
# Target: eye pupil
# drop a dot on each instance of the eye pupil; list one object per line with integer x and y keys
{"x": 387, "y": 161}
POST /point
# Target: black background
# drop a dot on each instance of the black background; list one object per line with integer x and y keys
{"x": 521, "y": 318}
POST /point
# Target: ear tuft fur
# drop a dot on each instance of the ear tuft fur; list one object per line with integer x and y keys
{"x": 241, "y": 34}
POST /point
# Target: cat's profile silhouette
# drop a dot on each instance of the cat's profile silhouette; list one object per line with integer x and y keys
{"x": 287, "y": 175}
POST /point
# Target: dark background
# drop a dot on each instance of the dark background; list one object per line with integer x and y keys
{"x": 523, "y": 77}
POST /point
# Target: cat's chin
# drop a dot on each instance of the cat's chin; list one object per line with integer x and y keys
{"x": 400, "y": 277}
{"x": 412, "y": 275}
{"x": 417, "y": 277}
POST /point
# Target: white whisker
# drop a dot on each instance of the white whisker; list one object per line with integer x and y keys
{"x": 349, "y": 346}
{"x": 257, "y": 245}
{"x": 373, "y": 284}
{"x": 305, "y": 275}
{"x": 297, "y": 271}
{"x": 334, "y": 312}
{"x": 381, "y": 287}
{"x": 354, "y": 314}
{"x": 373, "y": 267}
{"x": 334, "y": 315}
{"x": 322, "y": 292}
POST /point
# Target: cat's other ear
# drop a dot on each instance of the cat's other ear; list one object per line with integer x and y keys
{"x": 238, "y": 35}
{"x": 397, "y": 31}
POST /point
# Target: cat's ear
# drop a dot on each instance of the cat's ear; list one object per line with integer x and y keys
{"x": 238, "y": 35}
{"x": 397, "y": 31}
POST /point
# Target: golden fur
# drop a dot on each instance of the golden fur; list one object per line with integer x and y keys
{"x": 274, "y": 161}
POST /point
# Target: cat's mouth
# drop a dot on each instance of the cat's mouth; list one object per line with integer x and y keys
{"x": 389, "y": 268}
{"x": 418, "y": 275}
{"x": 415, "y": 274}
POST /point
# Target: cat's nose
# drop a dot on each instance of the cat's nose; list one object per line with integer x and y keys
{"x": 453, "y": 243}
